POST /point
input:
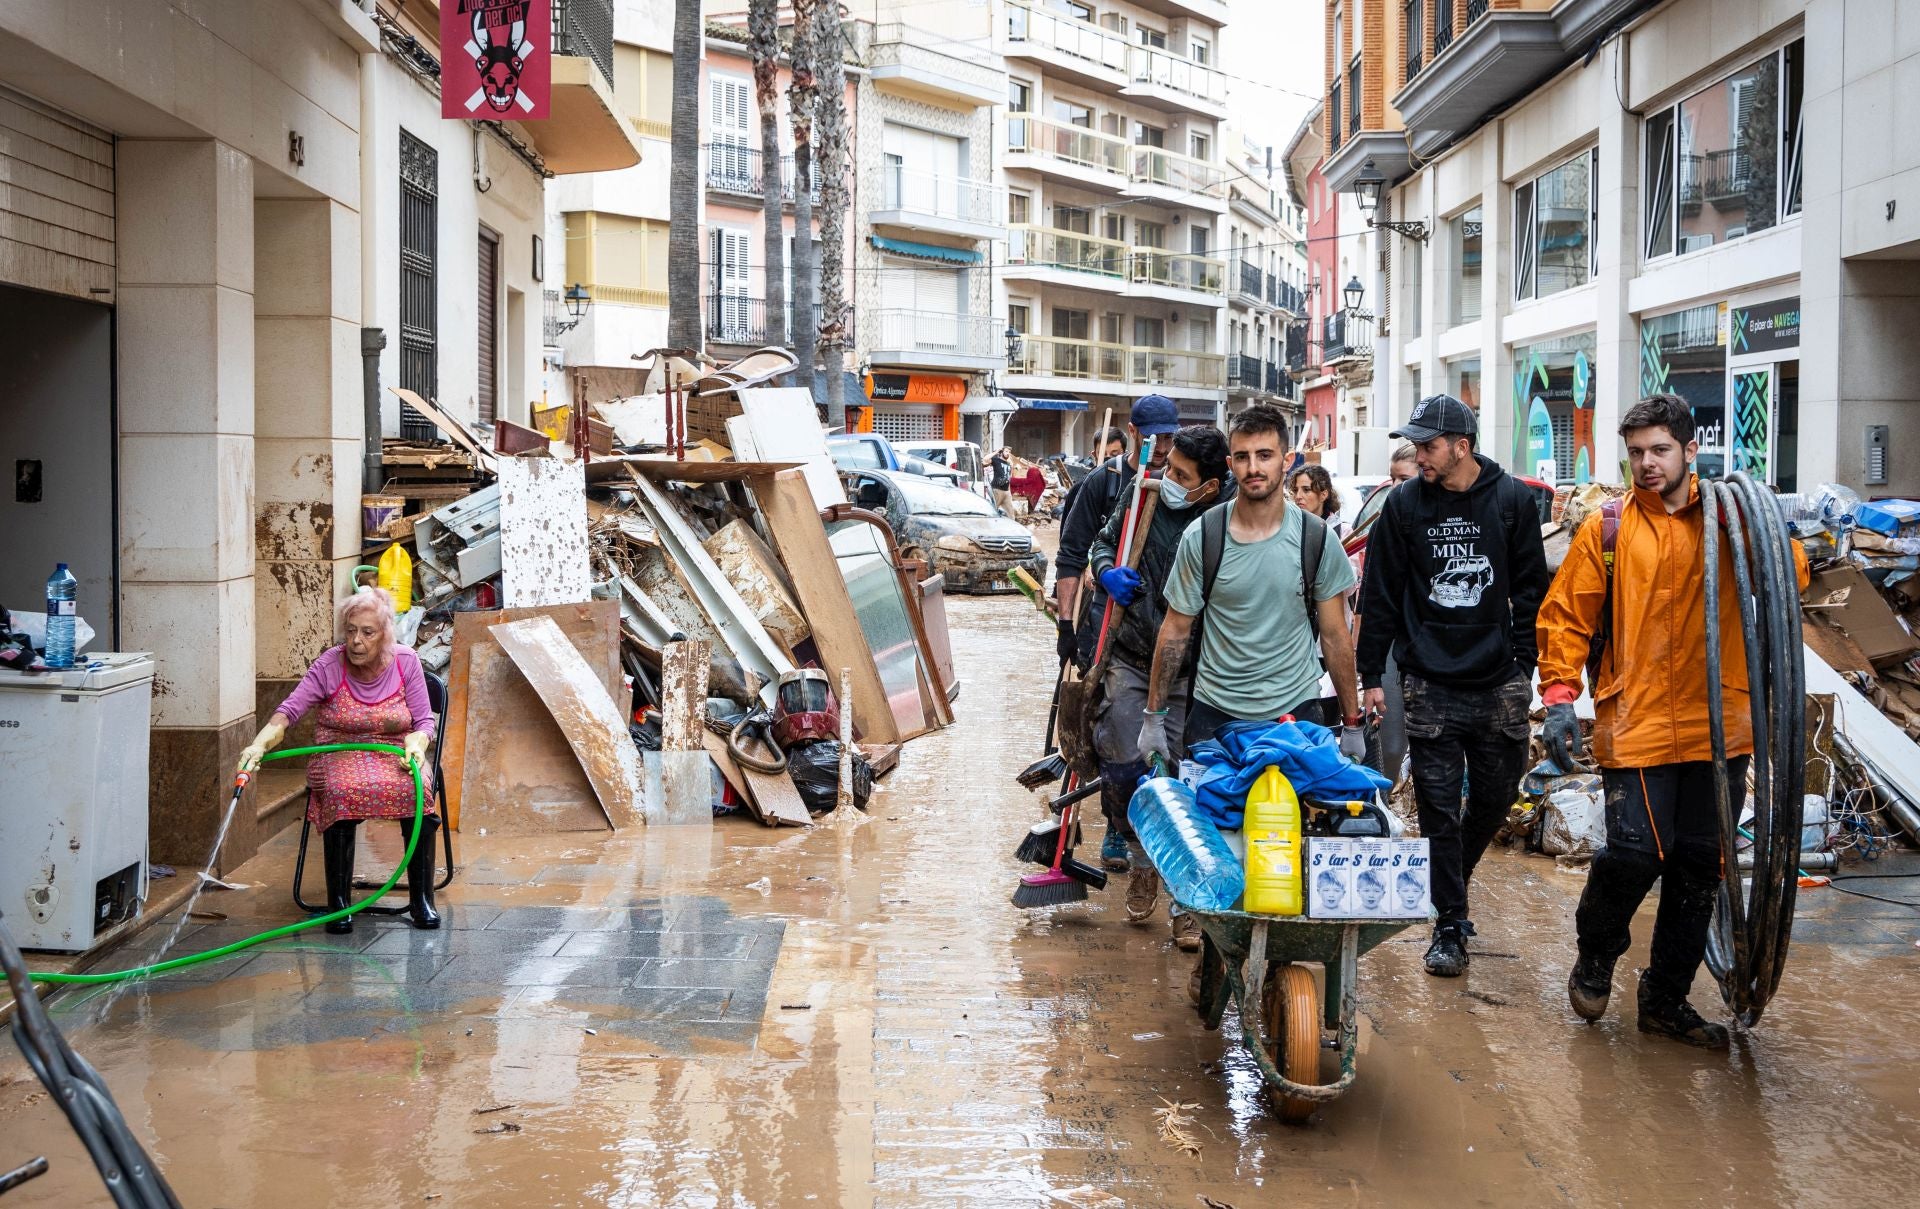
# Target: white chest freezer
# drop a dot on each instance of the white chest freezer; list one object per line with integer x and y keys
{"x": 73, "y": 799}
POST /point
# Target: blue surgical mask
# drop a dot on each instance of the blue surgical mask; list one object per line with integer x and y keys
{"x": 1173, "y": 495}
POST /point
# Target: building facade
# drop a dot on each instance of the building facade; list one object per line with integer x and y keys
{"x": 1629, "y": 197}
{"x": 1265, "y": 250}
{"x": 218, "y": 237}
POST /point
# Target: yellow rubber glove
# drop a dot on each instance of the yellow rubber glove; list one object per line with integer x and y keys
{"x": 416, "y": 744}
{"x": 264, "y": 742}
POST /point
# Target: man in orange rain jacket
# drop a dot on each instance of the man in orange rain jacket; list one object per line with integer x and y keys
{"x": 1650, "y": 735}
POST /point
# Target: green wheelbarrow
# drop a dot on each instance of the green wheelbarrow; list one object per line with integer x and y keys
{"x": 1258, "y": 962}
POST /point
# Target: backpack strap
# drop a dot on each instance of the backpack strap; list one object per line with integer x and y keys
{"x": 1313, "y": 543}
{"x": 1603, "y": 631}
{"x": 1213, "y": 547}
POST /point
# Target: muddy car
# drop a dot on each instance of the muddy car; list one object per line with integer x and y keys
{"x": 957, "y": 533}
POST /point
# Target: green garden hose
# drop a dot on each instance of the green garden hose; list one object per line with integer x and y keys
{"x": 181, "y": 963}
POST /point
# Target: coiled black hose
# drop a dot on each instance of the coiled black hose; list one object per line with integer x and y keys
{"x": 1753, "y": 921}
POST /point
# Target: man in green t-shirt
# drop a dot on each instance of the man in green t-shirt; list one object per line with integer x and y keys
{"x": 1257, "y": 654}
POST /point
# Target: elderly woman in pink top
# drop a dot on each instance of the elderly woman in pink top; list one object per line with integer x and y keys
{"x": 366, "y": 690}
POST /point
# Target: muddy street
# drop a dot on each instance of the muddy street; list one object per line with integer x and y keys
{"x": 858, "y": 1017}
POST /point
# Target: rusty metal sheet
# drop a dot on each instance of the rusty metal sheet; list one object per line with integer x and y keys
{"x": 543, "y": 532}
{"x": 584, "y": 710}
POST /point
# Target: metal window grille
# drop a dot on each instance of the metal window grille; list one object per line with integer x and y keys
{"x": 419, "y": 285}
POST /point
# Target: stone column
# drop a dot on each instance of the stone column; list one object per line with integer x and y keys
{"x": 1496, "y": 299}
{"x": 1823, "y": 176}
{"x": 308, "y": 425}
{"x": 184, "y": 348}
{"x": 1616, "y": 362}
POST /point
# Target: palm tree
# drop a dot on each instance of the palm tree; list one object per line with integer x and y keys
{"x": 800, "y": 96}
{"x": 831, "y": 112}
{"x": 763, "y": 40}
{"x": 683, "y": 181}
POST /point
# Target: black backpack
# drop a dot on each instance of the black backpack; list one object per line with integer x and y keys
{"x": 1213, "y": 547}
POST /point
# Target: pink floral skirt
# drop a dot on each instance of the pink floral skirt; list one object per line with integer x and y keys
{"x": 356, "y": 785}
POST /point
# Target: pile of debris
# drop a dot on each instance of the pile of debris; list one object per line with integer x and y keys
{"x": 620, "y": 602}
{"x": 1862, "y": 608}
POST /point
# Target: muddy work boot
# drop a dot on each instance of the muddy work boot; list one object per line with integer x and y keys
{"x": 1667, "y": 1017}
{"x": 1143, "y": 892}
{"x": 1113, "y": 852}
{"x": 1447, "y": 955}
{"x": 1589, "y": 986}
{"x": 336, "y": 847}
{"x": 1186, "y": 932}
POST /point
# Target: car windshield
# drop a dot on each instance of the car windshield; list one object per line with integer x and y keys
{"x": 924, "y": 497}
{"x": 1370, "y": 510}
{"x": 855, "y": 455}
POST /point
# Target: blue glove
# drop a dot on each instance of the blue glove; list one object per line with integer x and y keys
{"x": 1121, "y": 583}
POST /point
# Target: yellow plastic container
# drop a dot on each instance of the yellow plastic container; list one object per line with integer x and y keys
{"x": 1274, "y": 848}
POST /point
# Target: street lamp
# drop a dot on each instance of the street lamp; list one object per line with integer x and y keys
{"x": 578, "y": 303}
{"x": 1353, "y": 293}
{"x": 1013, "y": 345}
{"x": 1367, "y": 187}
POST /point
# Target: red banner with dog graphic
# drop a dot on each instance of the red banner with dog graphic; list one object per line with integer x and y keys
{"x": 496, "y": 59}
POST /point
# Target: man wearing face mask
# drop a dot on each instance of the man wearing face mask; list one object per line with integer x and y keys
{"x": 1195, "y": 478}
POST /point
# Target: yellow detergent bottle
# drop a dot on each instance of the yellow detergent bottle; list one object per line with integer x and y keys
{"x": 1272, "y": 832}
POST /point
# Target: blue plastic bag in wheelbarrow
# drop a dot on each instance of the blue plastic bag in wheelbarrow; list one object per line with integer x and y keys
{"x": 1308, "y": 755}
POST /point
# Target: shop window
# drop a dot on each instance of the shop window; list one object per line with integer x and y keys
{"x": 1464, "y": 282}
{"x": 1553, "y": 399}
{"x": 1463, "y": 381}
{"x": 1725, "y": 162}
{"x": 1682, "y": 354}
{"x": 1553, "y": 227}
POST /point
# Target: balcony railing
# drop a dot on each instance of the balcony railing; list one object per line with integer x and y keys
{"x": 1728, "y": 174}
{"x": 1063, "y": 357}
{"x": 585, "y": 28}
{"x": 1150, "y": 65}
{"x": 1070, "y": 36}
{"x": 1353, "y": 99}
{"x": 735, "y": 168}
{"x": 1251, "y": 281}
{"x": 1476, "y": 9}
{"x": 939, "y": 332}
{"x": 1243, "y": 372}
{"x": 1442, "y": 26}
{"x": 1345, "y": 334}
{"x": 1066, "y": 250}
{"x": 1334, "y": 113}
{"x": 895, "y": 44}
{"x": 738, "y": 319}
{"x": 1171, "y": 170}
{"x": 1280, "y": 382}
{"x": 1111, "y": 259}
{"x": 1068, "y": 144}
{"x": 1179, "y": 270}
{"x": 1284, "y": 295}
{"x": 939, "y": 194}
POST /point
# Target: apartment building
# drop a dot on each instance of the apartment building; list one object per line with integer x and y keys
{"x": 1114, "y": 281}
{"x": 928, "y": 337}
{"x": 1265, "y": 250}
{"x": 1616, "y": 198}
{"x": 607, "y": 231}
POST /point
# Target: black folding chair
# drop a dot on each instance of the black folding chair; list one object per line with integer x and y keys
{"x": 437, "y": 702}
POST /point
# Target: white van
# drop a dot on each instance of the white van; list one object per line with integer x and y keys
{"x": 962, "y": 456}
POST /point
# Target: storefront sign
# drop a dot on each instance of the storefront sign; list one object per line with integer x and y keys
{"x": 1539, "y": 436}
{"x": 496, "y": 59}
{"x": 943, "y": 389}
{"x": 1766, "y": 327}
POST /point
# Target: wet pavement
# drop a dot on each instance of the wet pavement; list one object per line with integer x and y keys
{"x": 635, "y": 1022}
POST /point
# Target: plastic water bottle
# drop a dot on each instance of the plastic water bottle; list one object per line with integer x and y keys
{"x": 1189, "y": 852}
{"x": 63, "y": 592}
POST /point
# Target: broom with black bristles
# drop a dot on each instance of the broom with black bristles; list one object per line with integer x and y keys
{"x": 1066, "y": 880}
{"x": 1037, "y": 845}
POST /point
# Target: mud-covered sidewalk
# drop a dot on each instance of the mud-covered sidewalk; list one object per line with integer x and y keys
{"x": 858, "y": 1016}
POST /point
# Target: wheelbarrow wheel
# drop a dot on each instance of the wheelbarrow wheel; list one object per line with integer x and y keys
{"x": 1290, "y": 1012}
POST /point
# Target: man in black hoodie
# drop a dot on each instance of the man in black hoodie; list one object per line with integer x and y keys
{"x": 1455, "y": 574}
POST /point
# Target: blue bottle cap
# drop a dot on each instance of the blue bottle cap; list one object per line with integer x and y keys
{"x": 59, "y": 567}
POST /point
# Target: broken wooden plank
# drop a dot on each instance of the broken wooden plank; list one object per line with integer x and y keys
{"x": 543, "y": 532}
{"x": 455, "y": 430}
{"x": 786, "y": 428}
{"x": 583, "y": 708}
{"x": 667, "y": 470}
{"x": 761, "y": 581}
{"x": 801, "y": 542}
{"x": 686, "y": 786}
{"x": 508, "y": 768}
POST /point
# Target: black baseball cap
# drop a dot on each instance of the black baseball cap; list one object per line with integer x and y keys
{"x": 1437, "y": 415}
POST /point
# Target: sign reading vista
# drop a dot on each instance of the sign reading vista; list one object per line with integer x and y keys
{"x": 496, "y": 59}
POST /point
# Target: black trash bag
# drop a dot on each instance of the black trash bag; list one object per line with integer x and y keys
{"x": 645, "y": 735}
{"x": 815, "y": 768}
